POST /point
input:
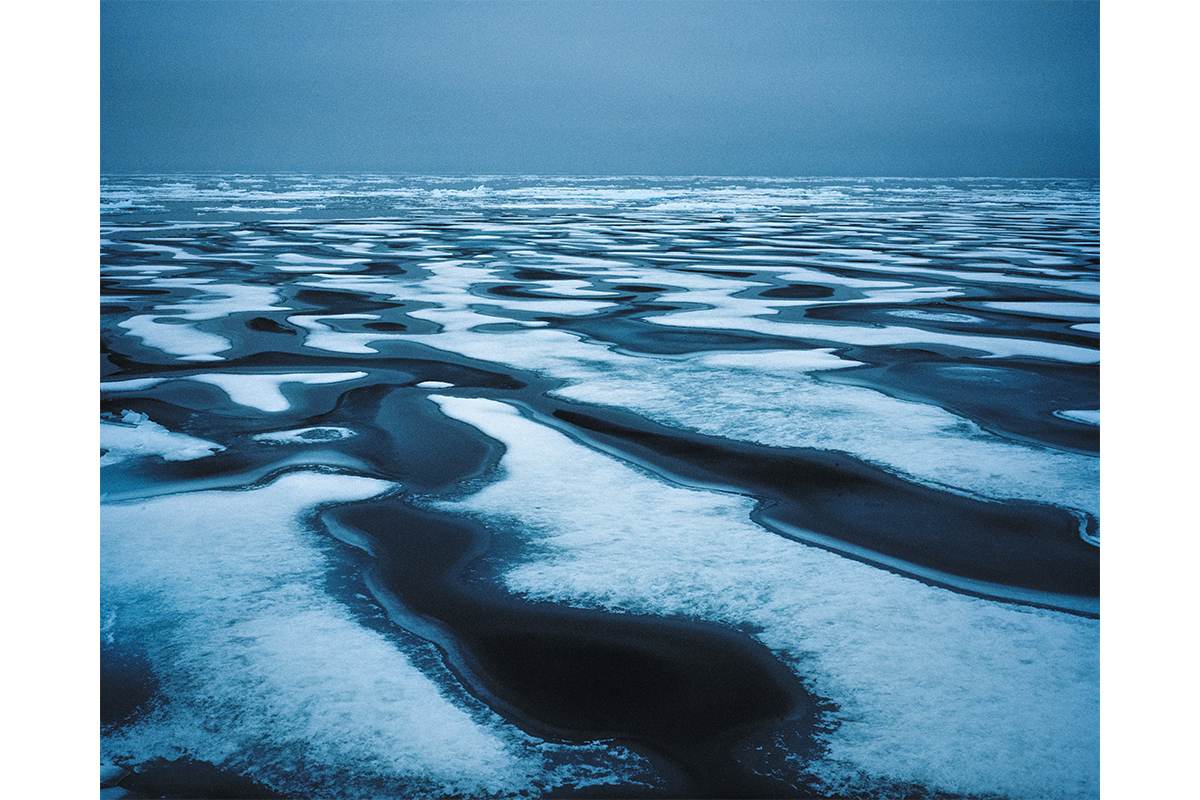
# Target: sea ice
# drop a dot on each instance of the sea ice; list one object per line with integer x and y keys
{"x": 1088, "y": 416}
{"x": 262, "y": 671}
{"x": 182, "y": 340}
{"x": 950, "y": 692}
{"x": 326, "y": 337}
{"x": 1047, "y": 309}
{"x": 723, "y": 316}
{"x": 322, "y": 433}
{"x": 262, "y": 391}
{"x": 135, "y": 436}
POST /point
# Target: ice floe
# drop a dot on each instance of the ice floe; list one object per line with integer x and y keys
{"x": 320, "y": 433}
{"x": 134, "y": 435}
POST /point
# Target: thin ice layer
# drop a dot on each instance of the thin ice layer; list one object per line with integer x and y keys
{"x": 950, "y": 692}
{"x": 1084, "y": 415}
{"x": 320, "y": 433}
{"x": 263, "y": 672}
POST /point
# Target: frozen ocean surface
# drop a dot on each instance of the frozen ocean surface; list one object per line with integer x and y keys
{"x": 846, "y": 427}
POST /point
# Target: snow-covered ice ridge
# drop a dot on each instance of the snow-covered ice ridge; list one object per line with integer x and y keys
{"x": 414, "y": 336}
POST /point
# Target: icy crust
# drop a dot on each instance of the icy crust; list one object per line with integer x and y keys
{"x": 260, "y": 671}
{"x": 135, "y": 436}
{"x": 949, "y": 692}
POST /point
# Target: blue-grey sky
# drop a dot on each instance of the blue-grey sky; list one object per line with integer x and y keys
{"x": 662, "y": 87}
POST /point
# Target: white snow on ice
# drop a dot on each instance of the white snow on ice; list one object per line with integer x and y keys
{"x": 321, "y": 433}
{"x": 224, "y": 590}
{"x": 136, "y": 436}
{"x": 171, "y": 330}
{"x": 736, "y": 396}
{"x": 262, "y": 391}
{"x": 180, "y": 340}
{"x": 951, "y": 692}
{"x": 261, "y": 671}
{"x": 325, "y": 337}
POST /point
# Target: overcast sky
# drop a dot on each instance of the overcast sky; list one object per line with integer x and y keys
{"x": 659, "y": 87}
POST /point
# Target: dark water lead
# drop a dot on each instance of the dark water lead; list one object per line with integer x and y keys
{"x": 1017, "y": 544}
{"x": 687, "y": 691}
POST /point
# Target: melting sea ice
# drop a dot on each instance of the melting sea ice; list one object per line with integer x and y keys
{"x": 637, "y": 487}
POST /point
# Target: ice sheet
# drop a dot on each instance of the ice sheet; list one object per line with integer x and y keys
{"x": 465, "y": 270}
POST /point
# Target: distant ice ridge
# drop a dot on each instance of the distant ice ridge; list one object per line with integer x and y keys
{"x": 950, "y": 692}
{"x": 263, "y": 672}
{"x": 655, "y": 194}
{"x": 135, "y": 436}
